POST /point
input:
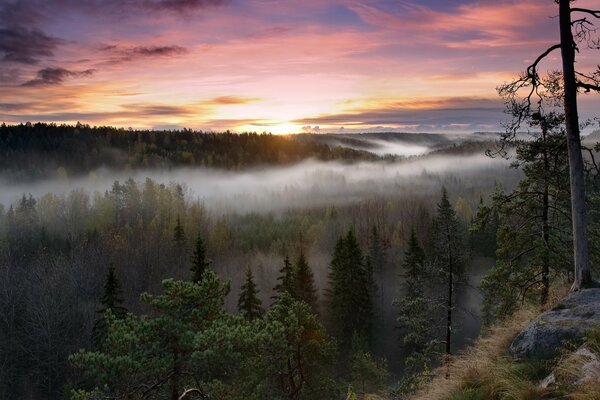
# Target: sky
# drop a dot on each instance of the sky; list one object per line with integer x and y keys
{"x": 280, "y": 66}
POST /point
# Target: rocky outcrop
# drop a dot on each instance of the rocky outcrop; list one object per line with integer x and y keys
{"x": 579, "y": 368}
{"x": 569, "y": 321}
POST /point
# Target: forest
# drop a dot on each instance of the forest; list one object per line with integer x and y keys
{"x": 147, "y": 289}
{"x": 141, "y": 264}
{"x": 41, "y": 150}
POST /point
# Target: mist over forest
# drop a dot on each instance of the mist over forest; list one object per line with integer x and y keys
{"x": 80, "y": 221}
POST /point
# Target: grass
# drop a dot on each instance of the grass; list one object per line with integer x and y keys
{"x": 487, "y": 371}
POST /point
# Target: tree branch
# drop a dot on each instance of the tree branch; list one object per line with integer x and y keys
{"x": 588, "y": 87}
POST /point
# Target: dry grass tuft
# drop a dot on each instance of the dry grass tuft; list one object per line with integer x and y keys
{"x": 476, "y": 362}
{"x": 485, "y": 370}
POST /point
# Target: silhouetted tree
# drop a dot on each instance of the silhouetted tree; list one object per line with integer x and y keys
{"x": 540, "y": 92}
{"x": 112, "y": 302}
{"x": 304, "y": 283}
{"x": 415, "y": 317}
{"x": 532, "y": 239}
{"x": 178, "y": 233}
{"x": 249, "y": 305}
{"x": 350, "y": 295}
{"x": 199, "y": 262}
{"x": 449, "y": 247}
{"x": 285, "y": 280}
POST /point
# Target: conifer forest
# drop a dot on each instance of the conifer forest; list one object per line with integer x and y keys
{"x": 155, "y": 245}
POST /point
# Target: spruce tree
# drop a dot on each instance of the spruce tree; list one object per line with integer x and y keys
{"x": 249, "y": 305}
{"x": 199, "y": 262}
{"x": 304, "y": 283}
{"x": 112, "y": 302}
{"x": 179, "y": 240}
{"x": 178, "y": 233}
{"x": 350, "y": 293}
{"x": 449, "y": 247}
{"x": 415, "y": 313}
{"x": 285, "y": 279}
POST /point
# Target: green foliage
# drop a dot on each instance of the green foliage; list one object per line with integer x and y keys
{"x": 351, "y": 394}
{"x": 304, "y": 283}
{"x": 249, "y": 305}
{"x": 178, "y": 233}
{"x": 112, "y": 302}
{"x": 534, "y": 239}
{"x": 199, "y": 262}
{"x": 295, "y": 358}
{"x": 80, "y": 149}
{"x": 450, "y": 255}
{"x": 415, "y": 312}
{"x": 351, "y": 297}
{"x": 367, "y": 373}
{"x": 416, "y": 319}
{"x": 285, "y": 280}
{"x": 187, "y": 339}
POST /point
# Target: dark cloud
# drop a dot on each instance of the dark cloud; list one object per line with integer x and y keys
{"x": 181, "y": 5}
{"x": 41, "y": 111}
{"x": 26, "y": 46}
{"x": 56, "y": 76}
{"x": 441, "y": 113}
{"x": 159, "y": 110}
{"x": 121, "y": 54}
{"x": 11, "y": 107}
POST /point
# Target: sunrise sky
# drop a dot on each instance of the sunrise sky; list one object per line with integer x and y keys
{"x": 279, "y": 66}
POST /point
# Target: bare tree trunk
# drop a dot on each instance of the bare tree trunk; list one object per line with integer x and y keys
{"x": 545, "y": 224}
{"x": 583, "y": 276}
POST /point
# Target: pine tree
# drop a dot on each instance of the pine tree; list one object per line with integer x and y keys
{"x": 178, "y": 233}
{"x": 415, "y": 312}
{"x": 350, "y": 293}
{"x": 285, "y": 279}
{"x": 304, "y": 288}
{"x": 449, "y": 247}
{"x": 112, "y": 302}
{"x": 199, "y": 262}
{"x": 179, "y": 240}
{"x": 532, "y": 241}
{"x": 249, "y": 305}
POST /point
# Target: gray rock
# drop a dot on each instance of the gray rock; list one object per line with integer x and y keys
{"x": 590, "y": 367}
{"x": 569, "y": 321}
{"x": 548, "y": 382}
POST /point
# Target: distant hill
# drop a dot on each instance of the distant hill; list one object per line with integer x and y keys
{"x": 399, "y": 143}
{"x": 34, "y": 151}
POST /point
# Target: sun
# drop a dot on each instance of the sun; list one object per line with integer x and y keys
{"x": 276, "y": 128}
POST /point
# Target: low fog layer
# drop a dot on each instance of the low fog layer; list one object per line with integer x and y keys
{"x": 307, "y": 184}
{"x": 401, "y": 143}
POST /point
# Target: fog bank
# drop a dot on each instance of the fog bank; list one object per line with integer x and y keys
{"x": 307, "y": 184}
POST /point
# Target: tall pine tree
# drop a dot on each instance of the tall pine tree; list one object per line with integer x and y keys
{"x": 285, "y": 280}
{"x": 199, "y": 262}
{"x": 532, "y": 241}
{"x": 304, "y": 283}
{"x": 415, "y": 314}
{"x": 249, "y": 305}
{"x": 112, "y": 302}
{"x": 449, "y": 247}
{"x": 350, "y": 293}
